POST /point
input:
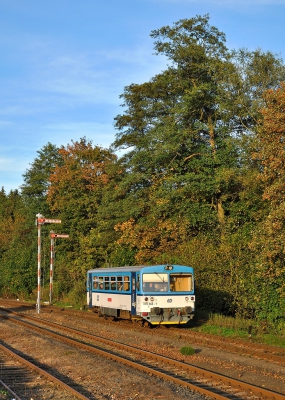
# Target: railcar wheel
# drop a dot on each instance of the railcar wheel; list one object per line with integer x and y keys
{"x": 146, "y": 324}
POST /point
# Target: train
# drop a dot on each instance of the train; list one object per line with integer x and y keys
{"x": 155, "y": 294}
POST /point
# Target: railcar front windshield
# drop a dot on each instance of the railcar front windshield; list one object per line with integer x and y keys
{"x": 155, "y": 282}
{"x": 160, "y": 282}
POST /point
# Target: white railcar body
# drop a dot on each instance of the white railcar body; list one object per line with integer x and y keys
{"x": 162, "y": 294}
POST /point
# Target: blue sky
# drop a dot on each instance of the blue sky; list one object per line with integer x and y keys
{"x": 64, "y": 63}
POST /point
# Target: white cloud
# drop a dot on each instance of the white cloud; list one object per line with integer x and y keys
{"x": 62, "y": 133}
{"x": 4, "y": 123}
{"x": 5, "y": 163}
{"x": 98, "y": 77}
{"x": 11, "y": 164}
{"x": 62, "y": 80}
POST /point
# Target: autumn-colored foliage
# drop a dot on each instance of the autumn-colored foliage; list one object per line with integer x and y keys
{"x": 268, "y": 238}
{"x": 83, "y": 171}
{"x": 272, "y": 149}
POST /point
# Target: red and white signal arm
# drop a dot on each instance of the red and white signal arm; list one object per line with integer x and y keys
{"x": 56, "y": 235}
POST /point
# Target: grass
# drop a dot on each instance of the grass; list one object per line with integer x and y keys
{"x": 63, "y": 304}
{"x": 4, "y": 394}
{"x": 187, "y": 351}
{"x": 246, "y": 329}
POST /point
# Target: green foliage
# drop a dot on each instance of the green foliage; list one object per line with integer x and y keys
{"x": 244, "y": 328}
{"x": 17, "y": 249}
{"x": 77, "y": 296}
{"x": 121, "y": 256}
{"x": 187, "y": 351}
{"x": 37, "y": 178}
{"x": 5, "y": 394}
{"x": 268, "y": 238}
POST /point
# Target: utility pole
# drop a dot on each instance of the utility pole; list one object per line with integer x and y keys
{"x": 41, "y": 220}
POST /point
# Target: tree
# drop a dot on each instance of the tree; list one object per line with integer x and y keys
{"x": 76, "y": 185}
{"x": 256, "y": 72}
{"x": 18, "y": 275}
{"x": 182, "y": 129}
{"x": 268, "y": 239}
{"x": 74, "y": 195}
{"x": 37, "y": 178}
{"x": 175, "y": 124}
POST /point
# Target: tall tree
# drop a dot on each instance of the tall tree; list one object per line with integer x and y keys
{"x": 268, "y": 239}
{"x": 76, "y": 184}
{"x": 256, "y": 72}
{"x": 174, "y": 124}
{"x": 181, "y": 129}
{"x": 18, "y": 249}
{"x": 37, "y": 178}
{"x": 74, "y": 195}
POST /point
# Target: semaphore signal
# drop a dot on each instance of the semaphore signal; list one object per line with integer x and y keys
{"x": 53, "y": 236}
{"x": 41, "y": 220}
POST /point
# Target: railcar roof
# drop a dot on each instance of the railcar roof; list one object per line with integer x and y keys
{"x": 117, "y": 269}
{"x": 135, "y": 268}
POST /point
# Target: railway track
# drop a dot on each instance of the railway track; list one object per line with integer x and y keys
{"x": 251, "y": 349}
{"x": 207, "y": 382}
{"x": 23, "y": 378}
{"x": 237, "y": 346}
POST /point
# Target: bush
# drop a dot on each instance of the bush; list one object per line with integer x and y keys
{"x": 77, "y": 296}
{"x": 187, "y": 351}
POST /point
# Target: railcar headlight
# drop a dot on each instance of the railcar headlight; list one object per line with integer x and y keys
{"x": 146, "y": 299}
{"x": 187, "y": 298}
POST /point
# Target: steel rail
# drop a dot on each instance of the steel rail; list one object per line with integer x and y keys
{"x": 15, "y": 397}
{"x": 264, "y": 393}
{"x": 43, "y": 372}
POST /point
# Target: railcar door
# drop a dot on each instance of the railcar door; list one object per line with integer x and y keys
{"x": 134, "y": 294}
{"x": 90, "y": 289}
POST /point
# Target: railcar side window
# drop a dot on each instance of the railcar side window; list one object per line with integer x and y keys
{"x": 100, "y": 282}
{"x": 119, "y": 283}
{"x": 107, "y": 282}
{"x": 95, "y": 282}
{"x": 126, "y": 285}
{"x": 113, "y": 283}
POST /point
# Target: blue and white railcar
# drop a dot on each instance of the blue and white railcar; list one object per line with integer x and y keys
{"x": 159, "y": 294}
